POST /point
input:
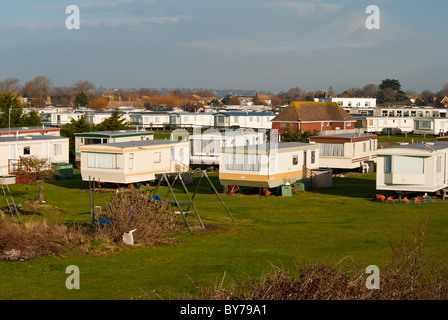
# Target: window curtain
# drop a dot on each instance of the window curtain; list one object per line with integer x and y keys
{"x": 102, "y": 160}
{"x": 331, "y": 149}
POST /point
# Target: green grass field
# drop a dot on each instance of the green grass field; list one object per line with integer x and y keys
{"x": 409, "y": 138}
{"x": 326, "y": 225}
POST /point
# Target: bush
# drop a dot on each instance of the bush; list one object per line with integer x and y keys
{"x": 32, "y": 239}
{"x": 409, "y": 277}
{"x": 128, "y": 211}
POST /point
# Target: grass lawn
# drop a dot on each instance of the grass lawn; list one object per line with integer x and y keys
{"x": 322, "y": 226}
{"x": 409, "y": 138}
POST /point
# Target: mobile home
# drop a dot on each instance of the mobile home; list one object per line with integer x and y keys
{"x": 417, "y": 167}
{"x": 12, "y": 149}
{"x": 133, "y": 161}
{"x": 103, "y": 137}
{"x": 206, "y": 148}
{"x": 267, "y": 165}
{"x": 347, "y": 151}
{"x": 150, "y": 119}
{"x": 378, "y": 124}
{"x": 248, "y": 120}
{"x": 30, "y": 131}
{"x": 431, "y": 125}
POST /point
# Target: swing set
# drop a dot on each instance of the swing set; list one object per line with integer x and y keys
{"x": 186, "y": 209}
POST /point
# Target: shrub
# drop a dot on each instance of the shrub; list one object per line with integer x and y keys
{"x": 128, "y": 211}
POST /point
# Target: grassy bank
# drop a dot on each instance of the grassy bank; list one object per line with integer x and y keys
{"x": 322, "y": 226}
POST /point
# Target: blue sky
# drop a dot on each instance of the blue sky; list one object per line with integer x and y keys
{"x": 244, "y": 44}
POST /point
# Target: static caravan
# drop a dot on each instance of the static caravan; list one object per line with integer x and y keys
{"x": 347, "y": 151}
{"x": 181, "y": 119}
{"x": 378, "y": 124}
{"x": 61, "y": 118}
{"x": 103, "y": 137}
{"x": 417, "y": 167}
{"x": 431, "y": 125}
{"x": 206, "y": 148}
{"x": 12, "y": 149}
{"x": 150, "y": 119}
{"x": 267, "y": 165}
{"x": 30, "y": 131}
{"x": 134, "y": 161}
{"x": 97, "y": 117}
{"x": 248, "y": 120}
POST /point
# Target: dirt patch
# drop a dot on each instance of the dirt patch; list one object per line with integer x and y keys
{"x": 12, "y": 211}
{"x": 17, "y": 255}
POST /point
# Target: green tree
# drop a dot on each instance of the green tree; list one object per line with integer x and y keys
{"x": 75, "y": 126}
{"x": 226, "y": 99}
{"x": 114, "y": 122}
{"x": 290, "y": 135}
{"x": 81, "y": 99}
{"x": 394, "y": 84}
{"x": 11, "y": 111}
{"x": 31, "y": 119}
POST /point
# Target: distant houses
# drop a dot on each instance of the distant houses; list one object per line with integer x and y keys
{"x": 313, "y": 116}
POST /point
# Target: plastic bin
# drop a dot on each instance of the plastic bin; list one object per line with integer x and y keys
{"x": 286, "y": 191}
{"x": 299, "y": 186}
{"x": 65, "y": 171}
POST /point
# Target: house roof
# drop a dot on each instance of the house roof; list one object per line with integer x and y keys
{"x": 263, "y": 148}
{"x": 313, "y": 111}
{"x": 344, "y": 137}
{"x": 244, "y": 113}
{"x": 115, "y": 133}
{"x": 22, "y": 129}
{"x": 420, "y": 147}
{"x": 31, "y": 138}
{"x": 130, "y": 144}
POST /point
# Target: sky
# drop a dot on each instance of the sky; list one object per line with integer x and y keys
{"x": 265, "y": 45}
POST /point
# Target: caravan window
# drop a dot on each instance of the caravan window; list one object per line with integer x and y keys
{"x": 439, "y": 164}
{"x": 332, "y": 149}
{"x": 131, "y": 161}
{"x": 404, "y": 165}
{"x": 388, "y": 164}
{"x": 102, "y": 160}
{"x": 243, "y": 161}
{"x": 57, "y": 150}
{"x": 313, "y": 156}
{"x": 295, "y": 160}
{"x": 157, "y": 157}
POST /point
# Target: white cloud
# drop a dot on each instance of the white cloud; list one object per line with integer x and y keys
{"x": 304, "y": 9}
{"x": 238, "y": 45}
{"x": 118, "y": 22}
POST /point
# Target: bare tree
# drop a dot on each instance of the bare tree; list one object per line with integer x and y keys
{"x": 83, "y": 85}
{"x": 444, "y": 91}
{"x": 39, "y": 169}
{"x": 370, "y": 90}
{"x": 10, "y": 85}
{"x": 39, "y": 87}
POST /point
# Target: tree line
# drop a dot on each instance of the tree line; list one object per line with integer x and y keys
{"x": 84, "y": 93}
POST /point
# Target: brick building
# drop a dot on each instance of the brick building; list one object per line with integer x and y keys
{"x": 313, "y": 116}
